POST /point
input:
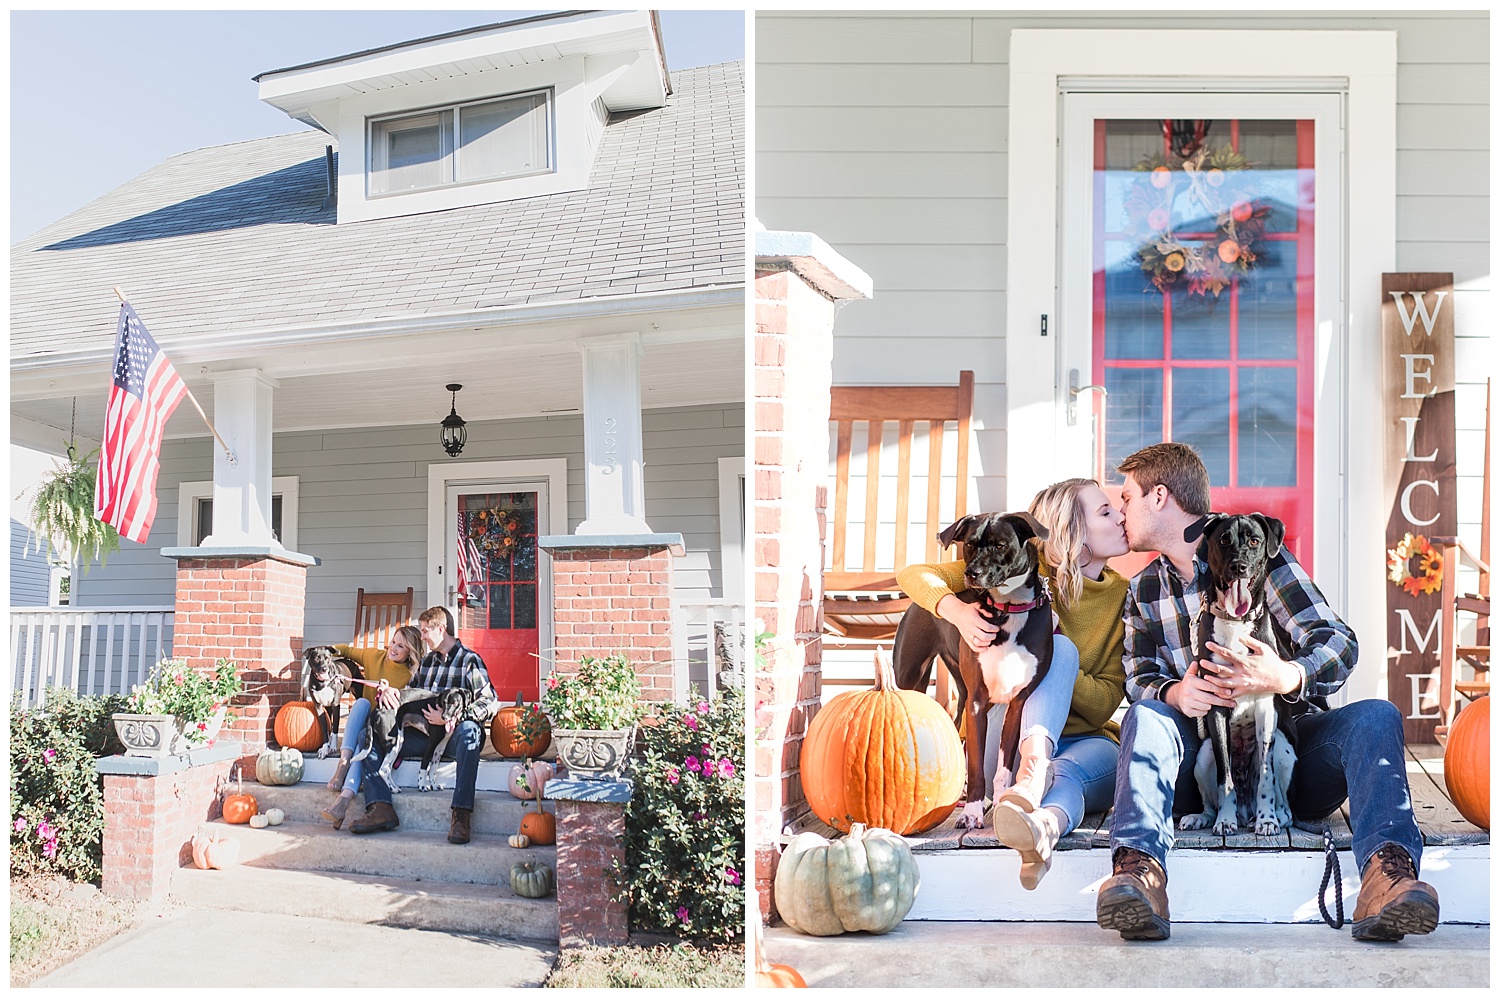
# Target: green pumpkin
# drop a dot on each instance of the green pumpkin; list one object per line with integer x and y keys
{"x": 279, "y": 768}
{"x": 863, "y": 882}
{"x": 531, "y": 880}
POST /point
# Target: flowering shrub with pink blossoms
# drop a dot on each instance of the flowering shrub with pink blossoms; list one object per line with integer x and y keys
{"x": 56, "y": 793}
{"x": 188, "y": 694}
{"x": 684, "y": 870}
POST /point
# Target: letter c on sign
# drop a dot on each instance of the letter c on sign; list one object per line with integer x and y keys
{"x": 1406, "y": 502}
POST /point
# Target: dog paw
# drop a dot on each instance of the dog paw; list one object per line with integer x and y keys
{"x": 1193, "y": 822}
{"x": 972, "y": 816}
{"x": 1226, "y": 827}
{"x": 1267, "y": 826}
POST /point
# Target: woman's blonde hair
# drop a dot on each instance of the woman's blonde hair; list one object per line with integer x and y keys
{"x": 413, "y": 639}
{"x": 1058, "y": 509}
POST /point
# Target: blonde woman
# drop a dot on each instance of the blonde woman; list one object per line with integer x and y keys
{"x": 1069, "y": 744}
{"x": 393, "y": 666}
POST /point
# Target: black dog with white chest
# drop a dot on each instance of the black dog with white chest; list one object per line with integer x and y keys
{"x": 326, "y": 677}
{"x": 1244, "y": 765}
{"x": 1002, "y": 574}
{"x": 389, "y": 728}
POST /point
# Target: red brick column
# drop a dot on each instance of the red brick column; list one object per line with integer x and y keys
{"x": 249, "y": 608}
{"x": 152, "y": 808}
{"x": 590, "y": 842}
{"x": 795, "y": 304}
{"x": 609, "y": 596}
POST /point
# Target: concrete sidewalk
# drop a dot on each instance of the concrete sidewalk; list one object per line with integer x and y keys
{"x": 190, "y": 947}
{"x": 1081, "y": 955}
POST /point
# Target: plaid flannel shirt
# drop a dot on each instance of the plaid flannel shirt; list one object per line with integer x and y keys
{"x": 460, "y": 667}
{"x": 1159, "y": 639}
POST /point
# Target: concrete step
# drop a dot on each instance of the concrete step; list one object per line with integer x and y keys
{"x": 413, "y": 854}
{"x": 1271, "y": 886}
{"x": 495, "y": 812}
{"x": 477, "y": 909}
{"x": 1067, "y": 955}
{"x": 494, "y": 774}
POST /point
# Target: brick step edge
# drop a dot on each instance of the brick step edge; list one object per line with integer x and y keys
{"x": 404, "y": 853}
{"x": 486, "y": 910}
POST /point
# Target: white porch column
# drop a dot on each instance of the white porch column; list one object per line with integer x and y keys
{"x": 242, "y": 491}
{"x": 613, "y": 486}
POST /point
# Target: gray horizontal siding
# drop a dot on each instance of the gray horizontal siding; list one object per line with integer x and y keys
{"x": 362, "y": 504}
{"x": 886, "y": 134}
{"x": 29, "y": 573}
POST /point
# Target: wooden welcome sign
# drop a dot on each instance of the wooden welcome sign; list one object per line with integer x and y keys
{"x": 1416, "y": 321}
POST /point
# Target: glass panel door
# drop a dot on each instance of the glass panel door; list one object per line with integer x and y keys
{"x": 1202, "y": 249}
{"x": 492, "y": 534}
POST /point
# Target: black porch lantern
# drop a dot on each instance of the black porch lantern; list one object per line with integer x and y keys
{"x": 454, "y": 434}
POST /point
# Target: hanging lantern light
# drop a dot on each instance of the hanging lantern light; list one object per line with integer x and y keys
{"x": 454, "y": 434}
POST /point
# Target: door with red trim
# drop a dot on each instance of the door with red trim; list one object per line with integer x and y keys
{"x": 1202, "y": 321}
{"x": 492, "y": 532}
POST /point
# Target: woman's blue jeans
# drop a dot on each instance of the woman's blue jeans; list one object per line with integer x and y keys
{"x": 354, "y": 728}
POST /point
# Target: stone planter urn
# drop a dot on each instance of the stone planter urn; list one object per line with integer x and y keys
{"x": 158, "y": 735}
{"x": 594, "y": 755}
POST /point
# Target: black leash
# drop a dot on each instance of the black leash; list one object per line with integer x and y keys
{"x": 1331, "y": 872}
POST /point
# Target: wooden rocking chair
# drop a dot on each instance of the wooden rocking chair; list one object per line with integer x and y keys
{"x": 863, "y": 608}
{"x": 377, "y": 615}
{"x": 1453, "y": 657}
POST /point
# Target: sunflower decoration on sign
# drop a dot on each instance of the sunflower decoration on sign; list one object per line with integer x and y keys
{"x": 1428, "y": 578}
{"x": 495, "y": 532}
{"x": 1209, "y": 183}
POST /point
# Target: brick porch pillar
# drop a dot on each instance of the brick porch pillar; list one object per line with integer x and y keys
{"x": 799, "y": 282}
{"x": 245, "y": 604}
{"x": 590, "y": 842}
{"x": 613, "y": 593}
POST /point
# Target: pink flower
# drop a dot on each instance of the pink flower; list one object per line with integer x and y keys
{"x": 20, "y": 825}
{"x": 551, "y": 682}
{"x": 708, "y": 750}
{"x": 682, "y": 914}
{"x": 46, "y": 831}
{"x": 702, "y": 707}
{"x": 179, "y": 679}
{"x": 699, "y": 816}
{"x": 692, "y": 764}
{"x": 726, "y": 768}
{"x": 49, "y": 848}
{"x": 733, "y": 875}
{"x": 690, "y": 721}
{"x": 673, "y": 775}
{"x": 49, "y": 754}
{"x": 202, "y": 725}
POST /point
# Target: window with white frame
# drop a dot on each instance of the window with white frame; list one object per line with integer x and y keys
{"x": 461, "y": 144}
{"x": 195, "y": 511}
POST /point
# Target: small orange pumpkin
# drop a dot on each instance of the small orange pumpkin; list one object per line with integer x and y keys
{"x": 540, "y": 827}
{"x": 779, "y": 975}
{"x": 1466, "y": 762}
{"x": 240, "y": 808}
{"x": 886, "y": 758}
{"x": 297, "y": 726}
{"x": 506, "y": 736}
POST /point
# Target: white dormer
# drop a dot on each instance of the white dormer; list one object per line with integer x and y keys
{"x": 496, "y": 113}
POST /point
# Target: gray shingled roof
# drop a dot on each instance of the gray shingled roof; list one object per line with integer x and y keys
{"x": 234, "y": 237}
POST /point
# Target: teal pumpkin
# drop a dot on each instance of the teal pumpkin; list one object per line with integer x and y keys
{"x": 531, "y": 880}
{"x": 279, "y": 768}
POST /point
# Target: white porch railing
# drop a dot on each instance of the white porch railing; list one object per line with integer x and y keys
{"x": 93, "y": 649}
{"x": 709, "y": 647}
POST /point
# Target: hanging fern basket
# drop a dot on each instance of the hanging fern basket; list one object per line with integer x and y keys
{"x": 62, "y": 512}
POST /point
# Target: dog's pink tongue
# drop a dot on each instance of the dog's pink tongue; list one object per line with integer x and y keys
{"x": 1239, "y": 596}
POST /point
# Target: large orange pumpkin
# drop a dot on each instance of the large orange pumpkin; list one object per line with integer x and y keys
{"x": 1466, "y": 762}
{"x": 297, "y": 727}
{"x": 506, "y": 736}
{"x": 887, "y": 758}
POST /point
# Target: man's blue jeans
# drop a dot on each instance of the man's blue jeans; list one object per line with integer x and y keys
{"x": 1356, "y": 752}
{"x": 463, "y": 748}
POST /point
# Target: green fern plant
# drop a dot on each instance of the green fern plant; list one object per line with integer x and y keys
{"x": 62, "y": 513}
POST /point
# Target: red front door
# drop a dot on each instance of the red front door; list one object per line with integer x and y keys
{"x": 1203, "y": 304}
{"x": 496, "y": 581}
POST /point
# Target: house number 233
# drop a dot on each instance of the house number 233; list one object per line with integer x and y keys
{"x": 611, "y": 444}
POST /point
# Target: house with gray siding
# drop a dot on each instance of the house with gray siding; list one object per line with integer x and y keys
{"x": 537, "y": 211}
{"x": 984, "y": 168}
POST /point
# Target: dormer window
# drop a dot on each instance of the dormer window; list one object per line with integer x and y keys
{"x": 461, "y": 144}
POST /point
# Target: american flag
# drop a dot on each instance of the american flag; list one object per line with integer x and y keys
{"x": 145, "y": 392}
{"x": 471, "y": 565}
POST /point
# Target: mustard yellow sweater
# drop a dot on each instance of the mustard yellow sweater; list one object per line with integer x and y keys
{"x": 377, "y": 665}
{"x": 1095, "y": 624}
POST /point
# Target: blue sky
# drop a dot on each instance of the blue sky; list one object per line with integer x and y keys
{"x": 98, "y": 97}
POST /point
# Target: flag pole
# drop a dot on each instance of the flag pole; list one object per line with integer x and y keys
{"x": 227, "y": 452}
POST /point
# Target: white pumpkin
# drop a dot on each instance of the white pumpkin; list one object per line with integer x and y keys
{"x": 275, "y": 816}
{"x": 260, "y": 820}
{"x": 863, "y": 882}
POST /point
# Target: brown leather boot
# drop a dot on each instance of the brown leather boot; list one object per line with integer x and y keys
{"x": 1392, "y": 901}
{"x": 1134, "y": 900}
{"x": 458, "y": 830}
{"x": 379, "y": 817}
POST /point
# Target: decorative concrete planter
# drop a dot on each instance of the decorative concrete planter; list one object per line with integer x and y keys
{"x": 157, "y": 735}
{"x": 594, "y": 755}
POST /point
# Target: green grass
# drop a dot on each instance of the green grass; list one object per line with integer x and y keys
{"x": 677, "y": 965}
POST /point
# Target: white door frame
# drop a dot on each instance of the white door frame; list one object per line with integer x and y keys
{"x": 733, "y": 513}
{"x": 551, "y": 519}
{"x": 1361, "y": 65}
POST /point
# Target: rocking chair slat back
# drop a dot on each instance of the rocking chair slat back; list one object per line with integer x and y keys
{"x": 377, "y": 615}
